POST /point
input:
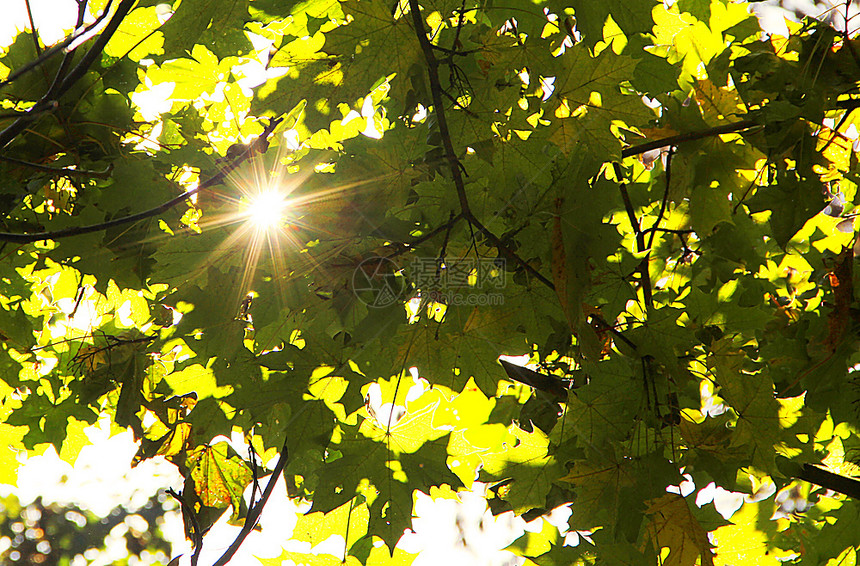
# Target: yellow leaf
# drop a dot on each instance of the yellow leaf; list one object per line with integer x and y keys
{"x": 12, "y": 436}
{"x": 673, "y": 526}
{"x": 743, "y": 543}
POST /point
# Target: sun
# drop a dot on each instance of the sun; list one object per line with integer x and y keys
{"x": 266, "y": 210}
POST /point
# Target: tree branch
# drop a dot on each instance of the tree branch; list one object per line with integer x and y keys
{"x": 436, "y": 93}
{"x": 34, "y": 33}
{"x": 70, "y": 55}
{"x": 850, "y": 104}
{"x": 212, "y": 181}
{"x": 454, "y": 163}
{"x": 95, "y": 51}
{"x": 834, "y": 482}
{"x": 509, "y": 254}
{"x": 690, "y": 136}
{"x": 255, "y": 509}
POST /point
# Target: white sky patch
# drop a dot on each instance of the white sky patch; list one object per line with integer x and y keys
{"x": 685, "y": 488}
{"x": 446, "y": 531}
{"x": 101, "y": 478}
{"x": 153, "y": 100}
{"x": 53, "y": 19}
{"x": 725, "y": 501}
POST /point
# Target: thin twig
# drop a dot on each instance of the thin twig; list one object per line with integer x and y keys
{"x": 34, "y": 33}
{"x": 212, "y": 181}
{"x": 70, "y": 54}
{"x": 195, "y": 526}
{"x": 642, "y": 268}
{"x": 509, "y": 254}
{"x": 440, "y": 261}
{"x": 849, "y": 104}
{"x": 436, "y": 93}
{"x": 677, "y": 231}
{"x": 455, "y": 166}
{"x": 836, "y": 133}
{"x": 454, "y": 163}
{"x": 424, "y": 237}
{"x": 665, "y": 201}
{"x": 460, "y": 19}
{"x": 33, "y": 112}
{"x": 122, "y": 10}
{"x": 48, "y": 53}
{"x": 63, "y": 171}
{"x": 255, "y": 509}
{"x": 95, "y": 51}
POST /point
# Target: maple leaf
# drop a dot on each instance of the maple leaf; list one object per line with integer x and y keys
{"x": 673, "y": 526}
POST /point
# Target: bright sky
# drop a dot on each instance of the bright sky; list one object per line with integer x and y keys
{"x": 50, "y": 16}
{"x": 102, "y": 477}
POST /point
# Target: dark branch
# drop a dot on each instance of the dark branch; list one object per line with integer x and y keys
{"x": 436, "y": 92}
{"x": 678, "y": 231}
{"x": 70, "y": 55}
{"x": 665, "y": 201}
{"x": 255, "y": 509}
{"x": 212, "y": 181}
{"x": 509, "y": 254}
{"x": 835, "y": 482}
{"x": 33, "y": 112}
{"x": 690, "y": 136}
{"x": 95, "y": 51}
{"x": 849, "y": 104}
{"x": 34, "y": 33}
{"x": 454, "y": 163}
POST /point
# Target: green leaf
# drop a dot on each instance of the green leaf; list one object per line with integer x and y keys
{"x": 220, "y": 477}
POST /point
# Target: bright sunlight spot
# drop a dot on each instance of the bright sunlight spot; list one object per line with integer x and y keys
{"x": 266, "y": 209}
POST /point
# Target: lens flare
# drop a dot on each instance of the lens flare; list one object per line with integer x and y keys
{"x": 266, "y": 210}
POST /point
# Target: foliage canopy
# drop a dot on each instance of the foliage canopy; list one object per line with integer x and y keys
{"x": 653, "y": 204}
